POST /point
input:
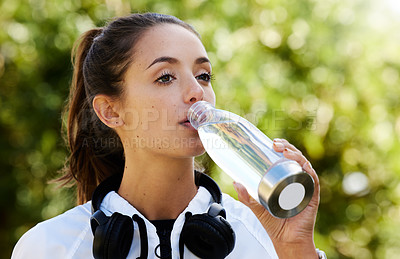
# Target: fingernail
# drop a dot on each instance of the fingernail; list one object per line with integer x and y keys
{"x": 288, "y": 150}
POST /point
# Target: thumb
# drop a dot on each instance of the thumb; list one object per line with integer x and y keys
{"x": 243, "y": 195}
{"x": 249, "y": 201}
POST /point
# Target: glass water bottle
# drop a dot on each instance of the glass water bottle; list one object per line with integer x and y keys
{"x": 247, "y": 156}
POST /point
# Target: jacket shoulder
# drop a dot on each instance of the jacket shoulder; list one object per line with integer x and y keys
{"x": 251, "y": 237}
{"x": 238, "y": 212}
{"x": 58, "y": 237}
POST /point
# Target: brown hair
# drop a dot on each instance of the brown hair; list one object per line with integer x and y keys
{"x": 101, "y": 57}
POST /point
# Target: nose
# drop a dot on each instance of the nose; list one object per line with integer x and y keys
{"x": 195, "y": 92}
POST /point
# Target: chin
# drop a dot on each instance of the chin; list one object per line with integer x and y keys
{"x": 193, "y": 151}
{"x": 199, "y": 152}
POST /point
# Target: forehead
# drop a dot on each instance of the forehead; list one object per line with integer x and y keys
{"x": 168, "y": 40}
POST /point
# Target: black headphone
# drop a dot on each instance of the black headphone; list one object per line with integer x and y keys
{"x": 206, "y": 235}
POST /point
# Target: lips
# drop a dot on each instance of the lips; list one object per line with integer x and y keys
{"x": 184, "y": 117}
{"x": 186, "y": 123}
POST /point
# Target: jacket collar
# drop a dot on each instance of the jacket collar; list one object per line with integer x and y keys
{"x": 113, "y": 202}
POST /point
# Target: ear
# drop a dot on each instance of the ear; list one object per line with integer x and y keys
{"x": 107, "y": 111}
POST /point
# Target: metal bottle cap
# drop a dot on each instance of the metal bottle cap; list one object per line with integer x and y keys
{"x": 285, "y": 190}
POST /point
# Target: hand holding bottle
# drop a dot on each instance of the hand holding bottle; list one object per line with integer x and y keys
{"x": 247, "y": 155}
{"x": 292, "y": 237}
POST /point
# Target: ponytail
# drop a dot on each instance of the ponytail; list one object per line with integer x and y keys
{"x": 95, "y": 150}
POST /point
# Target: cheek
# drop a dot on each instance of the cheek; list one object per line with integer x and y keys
{"x": 141, "y": 116}
{"x": 164, "y": 111}
{"x": 209, "y": 95}
{"x": 131, "y": 119}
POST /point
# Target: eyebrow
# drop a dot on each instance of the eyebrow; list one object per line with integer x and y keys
{"x": 171, "y": 60}
{"x": 163, "y": 59}
{"x": 202, "y": 60}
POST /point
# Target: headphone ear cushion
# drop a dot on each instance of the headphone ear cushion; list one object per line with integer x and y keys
{"x": 208, "y": 237}
{"x": 114, "y": 238}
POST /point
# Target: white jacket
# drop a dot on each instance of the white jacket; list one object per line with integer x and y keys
{"x": 69, "y": 235}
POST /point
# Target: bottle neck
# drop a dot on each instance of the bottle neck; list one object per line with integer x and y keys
{"x": 199, "y": 113}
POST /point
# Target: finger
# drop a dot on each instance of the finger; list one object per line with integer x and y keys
{"x": 309, "y": 169}
{"x": 291, "y": 152}
{"x": 243, "y": 195}
{"x": 247, "y": 200}
{"x": 287, "y": 144}
{"x": 278, "y": 145}
{"x": 296, "y": 156}
{"x": 302, "y": 160}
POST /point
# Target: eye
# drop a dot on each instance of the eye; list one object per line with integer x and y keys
{"x": 206, "y": 77}
{"x": 166, "y": 78}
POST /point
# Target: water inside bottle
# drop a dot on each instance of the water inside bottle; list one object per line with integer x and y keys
{"x": 240, "y": 153}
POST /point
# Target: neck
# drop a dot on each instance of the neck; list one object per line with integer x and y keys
{"x": 158, "y": 187}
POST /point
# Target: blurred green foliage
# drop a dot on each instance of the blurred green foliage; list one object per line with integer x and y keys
{"x": 323, "y": 74}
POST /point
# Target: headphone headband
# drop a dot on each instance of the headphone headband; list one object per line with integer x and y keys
{"x": 201, "y": 179}
{"x": 112, "y": 183}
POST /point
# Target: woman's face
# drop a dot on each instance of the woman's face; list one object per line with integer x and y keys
{"x": 170, "y": 72}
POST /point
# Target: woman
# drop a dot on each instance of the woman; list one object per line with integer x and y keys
{"x": 134, "y": 81}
